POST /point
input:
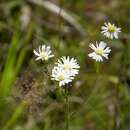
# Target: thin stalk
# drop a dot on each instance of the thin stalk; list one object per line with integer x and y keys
{"x": 67, "y": 109}
{"x": 97, "y": 64}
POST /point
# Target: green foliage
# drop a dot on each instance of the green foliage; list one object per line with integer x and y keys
{"x": 29, "y": 100}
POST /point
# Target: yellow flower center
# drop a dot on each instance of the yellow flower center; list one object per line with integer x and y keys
{"x": 111, "y": 28}
{"x": 67, "y": 67}
{"x": 61, "y": 77}
{"x": 44, "y": 56}
{"x": 99, "y": 52}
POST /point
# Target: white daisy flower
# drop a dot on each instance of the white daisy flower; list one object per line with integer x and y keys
{"x": 100, "y": 51}
{"x": 110, "y": 30}
{"x": 43, "y": 53}
{"x": 65, "y": 70}
{"x": 69, "y": 65}
{"x": 62, "y": 76}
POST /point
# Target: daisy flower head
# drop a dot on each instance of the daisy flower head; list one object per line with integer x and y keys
{"x": 43, "y": 53}
{"x": 100, "y": 51}
{"x": 110, "y": 30}
{"x": 65, "y": 70}
{"x": 61, "y": 76}
{"x": 69, "y": 65}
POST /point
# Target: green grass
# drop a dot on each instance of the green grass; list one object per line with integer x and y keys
{"x": 29, "y": 100}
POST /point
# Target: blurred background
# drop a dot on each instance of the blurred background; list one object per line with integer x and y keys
{"x": 29, "y": 100}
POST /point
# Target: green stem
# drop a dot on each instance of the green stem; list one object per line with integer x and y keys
{"x": 97, "y": 67}
{"x": 67, "y": 109}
